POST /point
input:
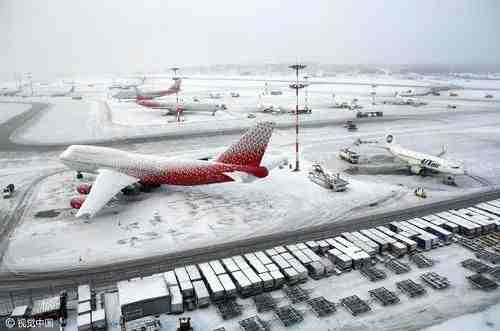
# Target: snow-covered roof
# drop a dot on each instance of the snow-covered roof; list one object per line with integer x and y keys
{"x": 142, "y": 290}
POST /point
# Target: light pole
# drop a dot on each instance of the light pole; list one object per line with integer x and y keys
{"x": 297, "y": 67}
{"x": 175, "y": 78}
{"x": 305, "y": 91}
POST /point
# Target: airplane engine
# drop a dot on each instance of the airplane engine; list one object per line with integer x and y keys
{"x": 416, "y": 170}
{"x": 84, "y": 188}
{"x": 77, "y": 202}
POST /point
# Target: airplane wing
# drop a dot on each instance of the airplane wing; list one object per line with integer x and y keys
{"x": 107, "y": 184}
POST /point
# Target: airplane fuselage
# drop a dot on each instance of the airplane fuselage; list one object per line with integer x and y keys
{"x": 154, "y": 170}
{"x": 420, "y": 161}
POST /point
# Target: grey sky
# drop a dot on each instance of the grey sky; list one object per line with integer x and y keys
{"x": 62, "y": 36}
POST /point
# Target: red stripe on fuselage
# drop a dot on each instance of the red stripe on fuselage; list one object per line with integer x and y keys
{"x": 201, "y": 175}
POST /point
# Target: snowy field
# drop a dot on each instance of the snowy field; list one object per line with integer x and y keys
{"x": 203, "y": 215}
{"x": 459, "y": 307}
{"x": 99, "y": 117}
{"x": 9, "y": 110}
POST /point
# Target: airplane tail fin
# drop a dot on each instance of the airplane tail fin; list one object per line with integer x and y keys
{"x": 250, "y": 148}
{"x": 176, "y": 87}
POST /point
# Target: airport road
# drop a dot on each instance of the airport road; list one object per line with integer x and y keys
{"x": 111, "y": 273}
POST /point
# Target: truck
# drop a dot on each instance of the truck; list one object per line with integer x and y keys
{"x": 361, "y": 114}
{"x": 323, "y": 178}
{"x": 349, "y": 155}
{"x": 8, "y": 191}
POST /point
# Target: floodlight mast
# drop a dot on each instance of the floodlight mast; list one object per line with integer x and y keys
{"x": 297, "y": 67}
{"x": 175, "y": 78}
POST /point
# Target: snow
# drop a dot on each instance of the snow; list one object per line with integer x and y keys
{"x": 9, "y": 110}
{"x": 459, "y": 307}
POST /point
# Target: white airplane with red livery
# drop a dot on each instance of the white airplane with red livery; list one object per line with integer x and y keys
{"x": 174, "y": 108}
{"x": 118, "y": 170}
{"x": 138, "y": 95}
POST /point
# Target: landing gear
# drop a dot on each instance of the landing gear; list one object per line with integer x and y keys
{"x": 79, "y": 175}
{"x": 449, "y": 180}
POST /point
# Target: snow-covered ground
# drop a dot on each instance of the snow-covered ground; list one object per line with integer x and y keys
{"x": 198, "y": 216}
{"x": 460, "y": 307}
{"x": 101, "y": 118}
{"x": 9, "y": 110}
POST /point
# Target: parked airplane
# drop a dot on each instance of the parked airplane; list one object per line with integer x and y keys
{"x": 118, "y": 170}
{"x": 174, "y": 108}
{"x": 64, "y": 94}
{"x": 126, "y": 86}
{"x": 420, "y": 163}
{"x": 137, "y": 94}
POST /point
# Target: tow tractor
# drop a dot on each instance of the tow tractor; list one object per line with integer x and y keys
{"x": 324, "y": 178}
{"x": 349, "y": 155}
{"x": 420, "y": 192}
{"x": 8, "y": 191}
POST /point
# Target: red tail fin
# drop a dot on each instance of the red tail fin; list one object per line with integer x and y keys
{"x": 250, "y": 148}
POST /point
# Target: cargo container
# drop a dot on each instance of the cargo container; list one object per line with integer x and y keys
{"x": 303, "y": 258}
{"x": 311, "y": 255}
{"x": 313, "y": 245}
{"x": 240, "y": 262}
{"x": 271, "y": 252}
{"x": 84, "y": 322}
{"x": 84, "y": 308}
{"x": 489, "y": 215}
{"x": 187, "y": 289}
{"x": 217, "y": 267}
{"x": 292, "y": 247}
{"x": 98, "y": 319}
{"x": 230, "y": 265}
{"x": 411, "y": 245}
{"x": 143, "y": 297}
{"x": 206, "y": 270}
{"x": 431, "y": 228}
{"x": 280, "y": 249}
{"x": 227, "y": 283}
{"x": 278, "y": 277}
{"x": 177, "y": 304}
{"x": 267, "y": 281}
{"x": 201, "y": 294}
{"x": 301, "y": 246}
{"x": 281, "y": 262}
{"x": 287, "y": 256}
{"x": 181, "y": 274}
{"x": 398, "y": 249}
{"x": 486, "y": 225}
{"x": 383, "y": 244}
{"x": 301, "y": 270}
{"x": 291, "y": 275}
{"x": 255, "y": 263}
{"x": 215, "y": 288}
{"x": 254, "y": 279}
{"x": 170, "y": 278}
{"x": 84, "y": 293}
{"x": 323, "y": 246}
{"x": 465, "y": 227}
{"x": 341, "y": 260}
{"x": 316, "y": 270}
{"x": 263, "y": 258}
{"x": 271, "y": 267}
{"x": 193, "y": 272}
{"x": 243, "y": 284}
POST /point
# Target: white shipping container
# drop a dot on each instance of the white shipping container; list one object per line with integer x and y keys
{"x": 278, "y": 278}
{"x": 280, "y": 249}
{"x": 84, "y": 293}
{"x": 217, "y": 267}
{"x": 182, "y": 275}
{"x": 263, "y": 258}
{"x": 271, "y": 252}
{"x": 230, "y": 265}
{"x": 240, "y": 262}
{"x": 193, "y": 272}
{"x": 186, "y": 289}
{"x": 271, "y": 267}
{"x": 242, "y": 282}
{"x": 267, "y": 281}
{"x": 228, "y": 285}
{"x": 176, "y": 303}
{"x": 201, "y": 293}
